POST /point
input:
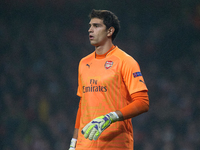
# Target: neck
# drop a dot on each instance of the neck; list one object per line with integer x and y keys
{"x": 102, "y": 49}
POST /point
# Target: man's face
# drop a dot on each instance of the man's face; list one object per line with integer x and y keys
{"x": 97, "y": 32}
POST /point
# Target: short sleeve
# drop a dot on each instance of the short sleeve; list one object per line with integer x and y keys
{"x": 132, "y": 75}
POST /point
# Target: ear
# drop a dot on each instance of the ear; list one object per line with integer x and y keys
{"x": 110, "y": 31}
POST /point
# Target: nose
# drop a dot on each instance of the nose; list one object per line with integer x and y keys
{"x": 90, "y": 29}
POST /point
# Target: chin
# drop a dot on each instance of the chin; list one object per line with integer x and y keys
{"x": 93, "y": 44}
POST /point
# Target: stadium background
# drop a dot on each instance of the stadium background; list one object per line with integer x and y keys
{"x": 42, "y": 41}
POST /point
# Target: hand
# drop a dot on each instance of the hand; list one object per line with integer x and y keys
{"x": 73, "y": 144}
{"x": 94, "y": 129}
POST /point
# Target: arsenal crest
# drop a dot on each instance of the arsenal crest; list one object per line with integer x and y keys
{"x": 108, "y": 64}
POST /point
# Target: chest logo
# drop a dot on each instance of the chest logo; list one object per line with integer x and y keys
{"x": 108, "y": 64}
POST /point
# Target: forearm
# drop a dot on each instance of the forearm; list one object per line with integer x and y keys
{"x": 139, "y": 105}
{"x": 75, "y": 134}
{"x": 77, "y": 123}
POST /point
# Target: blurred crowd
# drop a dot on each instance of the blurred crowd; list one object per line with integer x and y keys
{"x": 40, "y": 49}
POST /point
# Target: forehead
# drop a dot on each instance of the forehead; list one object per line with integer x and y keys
{"x": 96, "y": 21}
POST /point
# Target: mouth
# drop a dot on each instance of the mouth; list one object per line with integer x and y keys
{"x": 91, "y": 37}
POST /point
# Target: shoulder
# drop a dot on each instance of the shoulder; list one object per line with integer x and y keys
{"x": 87, "y": 58}
{"x": 124, "y": 57}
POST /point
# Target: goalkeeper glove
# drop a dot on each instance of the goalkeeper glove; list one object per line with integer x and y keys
{"x": 94, "y": 129}
{"x": 73, "y": 144}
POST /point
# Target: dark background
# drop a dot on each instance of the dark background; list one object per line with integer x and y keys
{"x": 42, "y": 42}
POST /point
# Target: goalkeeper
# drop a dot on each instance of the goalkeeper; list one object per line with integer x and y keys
{"x": 111, "y": 90}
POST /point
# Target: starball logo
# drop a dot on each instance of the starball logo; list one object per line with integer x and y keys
{"x": 94, "y": 87}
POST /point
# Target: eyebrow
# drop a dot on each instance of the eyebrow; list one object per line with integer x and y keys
{"x": 94, "y": 24}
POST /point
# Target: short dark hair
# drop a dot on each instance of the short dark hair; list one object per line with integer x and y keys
{"x": 109, "y": 19}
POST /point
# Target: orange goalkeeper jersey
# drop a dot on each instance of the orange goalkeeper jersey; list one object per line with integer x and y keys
{"x": 105, "y": 85}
